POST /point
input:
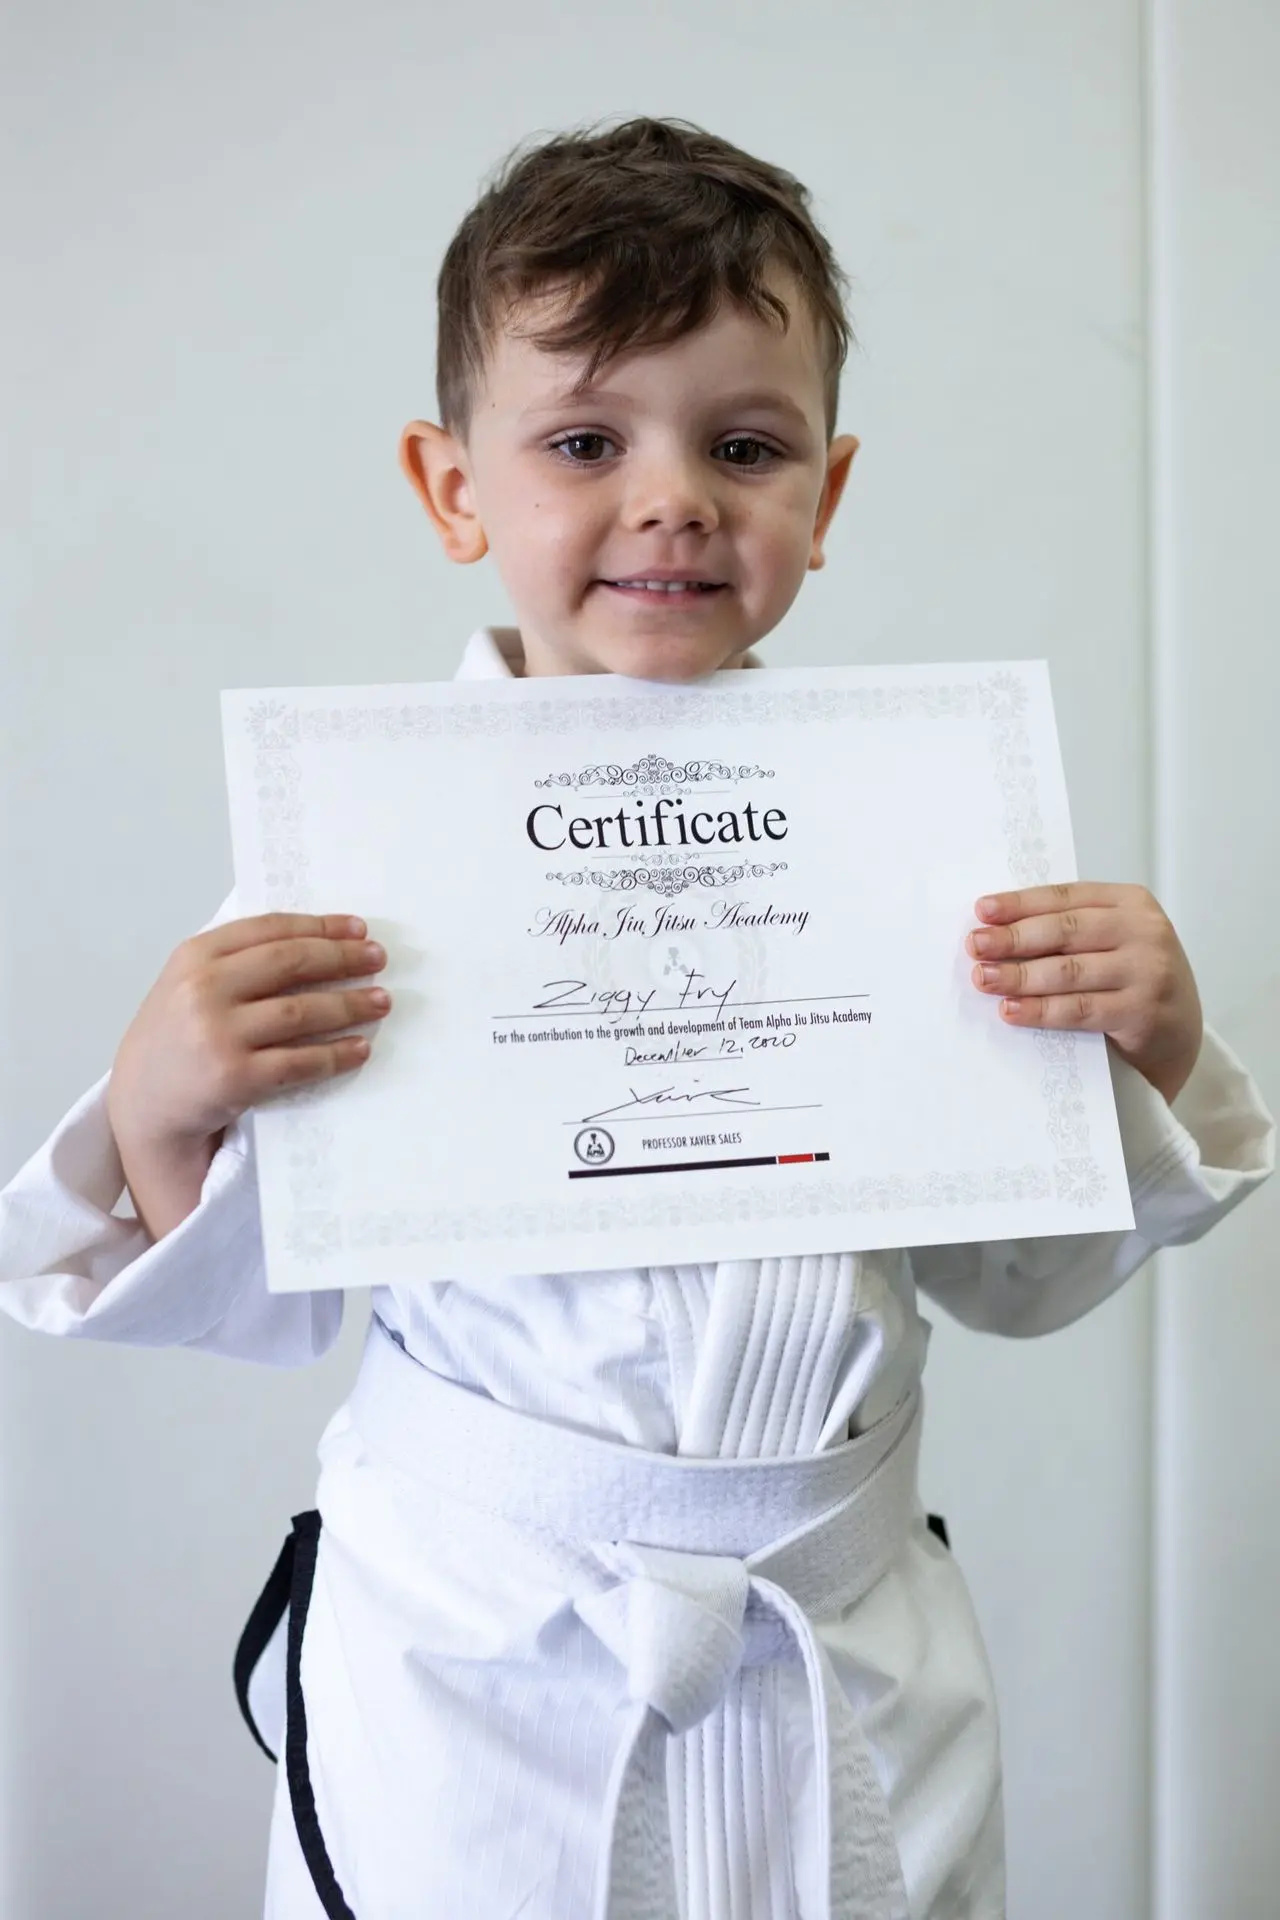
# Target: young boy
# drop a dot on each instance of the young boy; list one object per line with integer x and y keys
{"x": 619, "y": 1599}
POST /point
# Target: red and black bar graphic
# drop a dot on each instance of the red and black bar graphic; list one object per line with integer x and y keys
{"x": 698, "y": 1166}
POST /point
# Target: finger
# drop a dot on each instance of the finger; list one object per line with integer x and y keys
{"x": 1060, "y": 973}
{"x": 276, "y": 1068}
{"x": 281, "y": 965}
{"x": 1085, "y": 1012}
{"x": 261, "y": 929}
{"x": 300, "y": 1016}
{"x": 998, "y": 908}
{"x": 1074, "y": 930}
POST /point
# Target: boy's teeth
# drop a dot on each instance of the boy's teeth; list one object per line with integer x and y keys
{"x": 666, "y": 586}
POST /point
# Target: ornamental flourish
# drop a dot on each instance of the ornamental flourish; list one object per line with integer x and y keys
{"x": 666, "y": 880}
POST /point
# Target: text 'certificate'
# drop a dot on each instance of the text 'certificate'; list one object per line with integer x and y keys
{"x": 677, "y": 972}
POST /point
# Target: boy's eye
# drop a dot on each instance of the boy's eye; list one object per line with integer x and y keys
{"x": 578, "y": 440}
{"x": 749, "y": 441}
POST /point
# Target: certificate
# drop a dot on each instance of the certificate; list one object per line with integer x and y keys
{"x": 677, "y": 972}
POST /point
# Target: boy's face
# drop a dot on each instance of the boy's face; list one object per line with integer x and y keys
{"x": 705, "y": 460}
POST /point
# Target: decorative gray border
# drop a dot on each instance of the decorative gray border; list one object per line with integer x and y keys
{"x": 318, "y": 1236}
{"x": 273, "y": 723}
{"x": 316, "y": 1233}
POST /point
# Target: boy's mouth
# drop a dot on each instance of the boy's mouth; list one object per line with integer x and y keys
{"x": 665, "y": 592}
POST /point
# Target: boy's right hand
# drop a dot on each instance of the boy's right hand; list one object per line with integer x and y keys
{"x": 238, "y": 1014}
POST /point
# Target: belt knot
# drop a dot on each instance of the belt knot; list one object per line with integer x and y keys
{"x": 674, "y": 1621}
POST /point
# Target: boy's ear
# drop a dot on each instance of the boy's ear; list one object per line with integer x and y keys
{"x": 437, "y": 469}
{"x": 839, "y": 461}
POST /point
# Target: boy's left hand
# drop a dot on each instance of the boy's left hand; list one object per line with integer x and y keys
{"x": 1096, "y": 959}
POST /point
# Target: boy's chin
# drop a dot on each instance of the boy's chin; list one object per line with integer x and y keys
{"x": 677, "y": 658}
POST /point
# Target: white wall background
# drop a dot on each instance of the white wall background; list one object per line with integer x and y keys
{"x": 223, "y": 231}
{"x": 1216, "y": 657}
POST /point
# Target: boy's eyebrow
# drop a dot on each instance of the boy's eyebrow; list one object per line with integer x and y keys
{"x": 769, "y": 399}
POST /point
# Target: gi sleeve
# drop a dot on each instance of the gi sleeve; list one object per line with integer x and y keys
{"x": 1188, "y": 1165}
{"x": 71, "y": 1265}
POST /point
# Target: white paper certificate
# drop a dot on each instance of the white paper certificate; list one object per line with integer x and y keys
{"x": 677, "y": 973}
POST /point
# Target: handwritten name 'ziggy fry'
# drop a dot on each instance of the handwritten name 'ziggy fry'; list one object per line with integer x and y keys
{"x": 560, "y": 923}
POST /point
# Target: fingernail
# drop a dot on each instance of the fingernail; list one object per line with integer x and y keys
{"x": 981, "y": 942}
{"x": 356, "y": 928}
{"x": 988, "y": 906}
{"x": 1011, "y": 1006}
{"x": 374, "y": 951}
{"x": 990, "y": 975}
{"x": 379, "y": 997}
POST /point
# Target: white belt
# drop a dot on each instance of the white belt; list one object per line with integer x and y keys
{"x": 702, "y": 1566}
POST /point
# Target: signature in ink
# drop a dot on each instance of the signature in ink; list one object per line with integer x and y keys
{"x": 670, "y": 1097}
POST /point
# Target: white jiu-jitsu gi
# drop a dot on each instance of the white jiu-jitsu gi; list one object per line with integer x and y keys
{"x": 618, "y": 1599}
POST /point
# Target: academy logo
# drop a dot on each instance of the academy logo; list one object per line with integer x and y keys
{"x": 594, "y": 1147}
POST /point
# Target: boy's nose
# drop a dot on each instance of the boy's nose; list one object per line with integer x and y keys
{"x": 671, "y": 496}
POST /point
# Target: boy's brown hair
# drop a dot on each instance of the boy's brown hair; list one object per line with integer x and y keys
{"x": 651, "y": 226}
